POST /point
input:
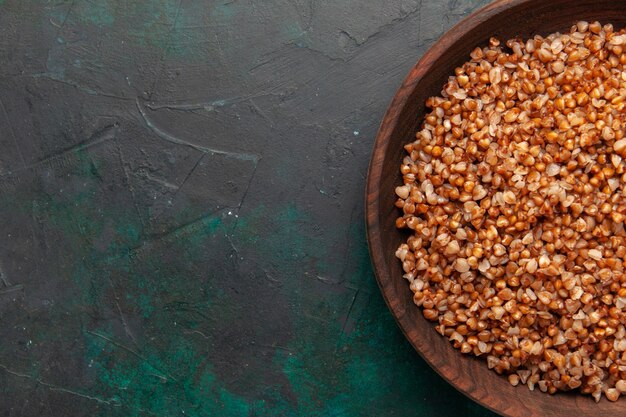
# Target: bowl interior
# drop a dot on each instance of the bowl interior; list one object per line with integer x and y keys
{"x": 504, "y": 19}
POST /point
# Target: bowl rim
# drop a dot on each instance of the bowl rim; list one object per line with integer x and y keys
{"x": 375, "y": 171}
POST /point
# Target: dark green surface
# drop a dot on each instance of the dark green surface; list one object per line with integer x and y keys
{"x": 181, "y": 206}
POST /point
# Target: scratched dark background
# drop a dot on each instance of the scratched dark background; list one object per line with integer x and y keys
{"x": 181, "y": 208}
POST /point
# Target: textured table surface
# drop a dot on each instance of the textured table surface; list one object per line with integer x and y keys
{"x": 181, "y": 208}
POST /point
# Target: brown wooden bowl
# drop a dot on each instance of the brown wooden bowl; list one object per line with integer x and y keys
{"x": 504, "y": 19}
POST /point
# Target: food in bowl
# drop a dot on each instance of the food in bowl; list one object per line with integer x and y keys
{"x": 514, "y": 193}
